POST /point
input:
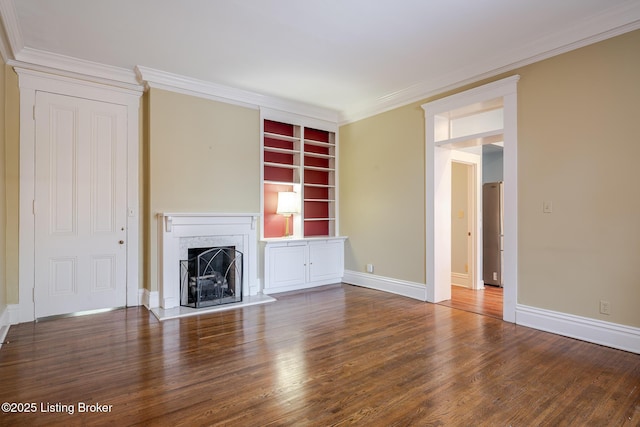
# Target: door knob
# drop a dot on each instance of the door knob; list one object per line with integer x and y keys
{"x": 121, "y": 242}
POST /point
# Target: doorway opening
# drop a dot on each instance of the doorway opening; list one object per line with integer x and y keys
{"x": 480, "y": 116}
{"x": 483, "y": 165}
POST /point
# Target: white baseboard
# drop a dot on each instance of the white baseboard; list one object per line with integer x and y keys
{"x": 4, "y": 316}
{"x": 14, "y": 313}
{"x": 591, "y": 330}
{"x": 300, "y": 286}
{"x": 10, "y": 315}
{"x": 460, "y": 279}
{"x": 255, "y": 288}
{"x": 4, "y": 324}
{"x": 609, "y": 334}
{"x": 150, "y": 299}
{"x": 395, "y": 286}
{"x": 3, "y": 333}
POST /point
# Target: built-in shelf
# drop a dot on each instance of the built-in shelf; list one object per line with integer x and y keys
{"x": 320, "y": 156}
{"x": 320, "y": 185}
{"x": 281, "y": 165}
{"x": 303, "y": 160}
{"x": 280, "y": 150}
{"x": 281, "y": 137}
{"x": 286, "y": 183}
{"x": 319, "y": 168}
{"x": 318, "y": 143}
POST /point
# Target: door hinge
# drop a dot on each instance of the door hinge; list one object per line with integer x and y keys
{"x": 34, "y": 112}
{"x": 34, "y": 207}
{"x": 33, "y": 294}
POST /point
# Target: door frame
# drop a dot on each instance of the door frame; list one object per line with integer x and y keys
{"x": 30, "y": 82}
{"x": 438, "y": 193}
{"x": 474, "y": 161}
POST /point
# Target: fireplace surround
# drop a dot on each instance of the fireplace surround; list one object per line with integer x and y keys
{"x": 178, "y": 232}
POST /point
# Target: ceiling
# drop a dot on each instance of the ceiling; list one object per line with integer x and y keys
{"x": 354, "y": 57}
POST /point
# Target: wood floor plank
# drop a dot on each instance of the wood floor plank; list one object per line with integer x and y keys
{"x": 342, "y": 355}
{"x": 487, "y": 301}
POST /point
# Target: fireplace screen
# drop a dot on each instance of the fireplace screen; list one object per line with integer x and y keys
{"x": 211, "y": 276}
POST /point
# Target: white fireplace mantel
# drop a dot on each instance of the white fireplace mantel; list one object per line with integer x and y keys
{"x": 177, "y": 231}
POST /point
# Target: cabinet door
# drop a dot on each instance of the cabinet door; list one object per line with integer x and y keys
{"x": 326, "y": 261}
{"x": 286, "y": 266}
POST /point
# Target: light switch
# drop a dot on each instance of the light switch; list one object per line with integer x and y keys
{"x": 547, "y": 206}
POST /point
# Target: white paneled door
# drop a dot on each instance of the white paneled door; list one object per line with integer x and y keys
{"x": 80, "y": 205}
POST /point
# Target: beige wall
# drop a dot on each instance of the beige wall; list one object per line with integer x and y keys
{"x": 382, "y": 193}
{"x": 577, "y": 136}
{"x": 201, "y": 156}
{"x": 578, "y": 141}
{"x": 578, "y": 130}
{"x": 459, "y": 217}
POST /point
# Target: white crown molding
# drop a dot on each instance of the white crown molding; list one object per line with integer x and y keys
{"x": 611, "y": 23}
{"x": 26, "y": 68}
{"x": 11, "y": 38}
{"x": 16, "y": 54}
{"x": 217, "y": 92}
{"x": 77, "y": 68}
{"x": 4, "y": 47}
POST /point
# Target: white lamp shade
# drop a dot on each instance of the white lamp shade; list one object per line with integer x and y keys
{"x": 288, "y": 203}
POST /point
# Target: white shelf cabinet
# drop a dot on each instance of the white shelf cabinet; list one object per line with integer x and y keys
{"x": 302, "y": 263}
{"x": 299, "y": 155}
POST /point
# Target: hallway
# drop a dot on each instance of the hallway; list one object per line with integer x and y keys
{"x": 487, "y": 301}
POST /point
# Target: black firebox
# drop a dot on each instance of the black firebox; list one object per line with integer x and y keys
{"x": 211, "y": 276}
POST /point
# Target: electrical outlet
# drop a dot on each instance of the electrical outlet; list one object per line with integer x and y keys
{"x": 369, "y": 268}
{"x": 605, "y": 307}
{"x": 547, "y": 206}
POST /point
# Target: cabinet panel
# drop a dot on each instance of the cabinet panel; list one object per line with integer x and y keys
{"x": 326, "y": 260}
{"x": 287, "y": 265}
{"x": 302, "y": 264}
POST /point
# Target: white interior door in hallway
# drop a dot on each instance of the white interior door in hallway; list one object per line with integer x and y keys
{"x": 80, "y": 205}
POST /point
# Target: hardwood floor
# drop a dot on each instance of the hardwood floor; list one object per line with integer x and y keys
{"x": 342, "y": 355}
{"x": 487, "y": 301}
